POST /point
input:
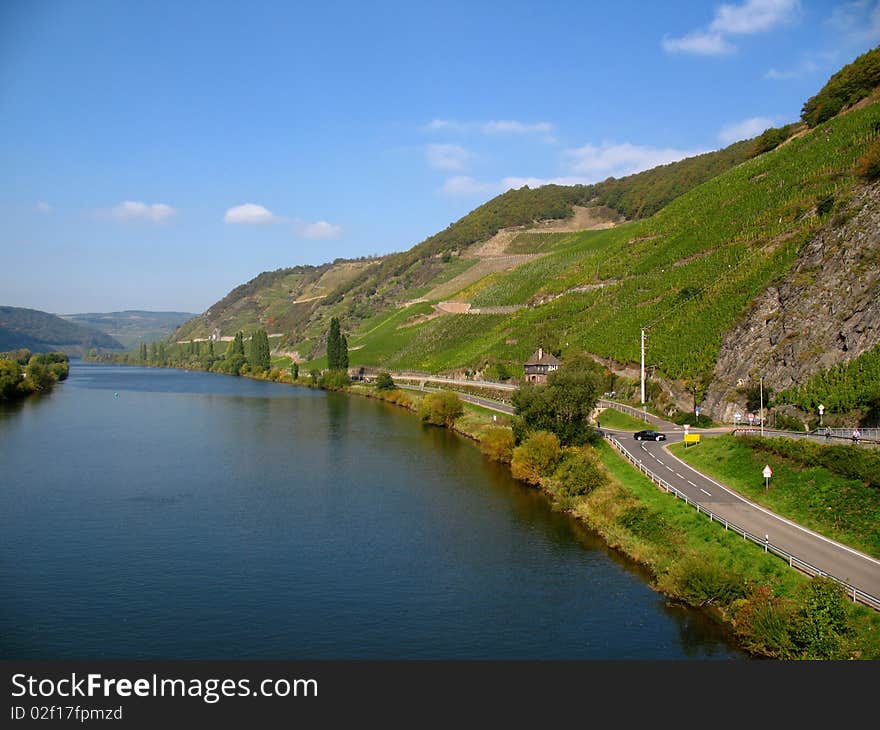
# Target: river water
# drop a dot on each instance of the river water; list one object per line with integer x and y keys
{"x": 150, "y": 513}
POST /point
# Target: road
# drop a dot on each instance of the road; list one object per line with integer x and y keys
{"x": 832, "y": 558}
{"x": 841, "y": 562}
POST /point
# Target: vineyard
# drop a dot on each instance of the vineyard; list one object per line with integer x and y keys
{"x": 685, "y": 274}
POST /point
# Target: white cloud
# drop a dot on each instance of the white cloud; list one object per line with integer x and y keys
{"x": 511, "y": 126}
{"x": 446, "y": 156}
{"x": 462, "y": 185}
{"x": 597, "y": 163}
{"x": 250, "y": 214}
{"x": 858, "y": 22}
{"x": 43, "y": 207}
{"x": 753, "y": 16}
{"x": 134, "y": 210}
{"x": 317, "y": 230}
{"x": 746, "y": 129}
{"x": 699, "y": 43}
{"x": 495, "y": 126}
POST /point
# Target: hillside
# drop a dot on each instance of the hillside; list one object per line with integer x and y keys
{"x": 132, "y": 327}
{"x": 43, "y": 332}
{"x": 724, "y": 259}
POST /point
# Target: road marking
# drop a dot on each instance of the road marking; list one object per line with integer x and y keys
{"x": 670, "y": 468}
{"x": 705, "y": 492}
{"x": 660, "y": 461}
{"x": 691, "y": 483}
{"x": 679, "y": 475}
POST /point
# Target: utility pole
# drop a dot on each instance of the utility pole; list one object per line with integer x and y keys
{"x": 762, "y": 403}
{"x": 643, "y": 366}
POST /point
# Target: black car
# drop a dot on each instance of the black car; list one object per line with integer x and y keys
{"x": 649, "y": 436}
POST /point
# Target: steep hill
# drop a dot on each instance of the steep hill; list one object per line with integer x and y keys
{"x": 720, "y": 257}
{"x": 43, "y": 332}
{"x": 132, "y": 327}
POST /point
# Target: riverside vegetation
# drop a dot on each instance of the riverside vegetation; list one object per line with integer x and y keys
{"x": 705, "y": 237}
{"x": 23, "y": 373}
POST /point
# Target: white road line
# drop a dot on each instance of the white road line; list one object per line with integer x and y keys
{"x": 660, "y": 461}
{"x": 679, "y": 475}
{"x": 691, "y": 483}
{"x": 670, "y": 468}
{"x": 705, "y": 492}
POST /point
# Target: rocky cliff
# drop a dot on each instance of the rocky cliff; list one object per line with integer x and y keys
{"x": 826, "y": 311}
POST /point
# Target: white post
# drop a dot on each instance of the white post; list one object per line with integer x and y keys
{"x": 643, "y": 366}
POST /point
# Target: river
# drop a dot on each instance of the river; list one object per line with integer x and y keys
{"x": 150, "y": 513}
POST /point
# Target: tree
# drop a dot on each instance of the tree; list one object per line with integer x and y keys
{"x": 236, "y": 347}
{"x": 143, "y": 352}
{"x": 497, "y": 443}
{"x": 343, "y": 353}
{"x": 333, "y": 345}
{"x": 441, "y": 408}
{"x": 563, "y": 406}
{"x": 259, "y": 357}
{"x": 384, "y": 381}
{"x": 536, "y": 457}
{"x": 294, "y": 370}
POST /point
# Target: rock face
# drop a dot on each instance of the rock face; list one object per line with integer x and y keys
{"x": 826, "y": 311}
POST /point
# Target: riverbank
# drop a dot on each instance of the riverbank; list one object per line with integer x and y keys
{"x": 770, "y": 609}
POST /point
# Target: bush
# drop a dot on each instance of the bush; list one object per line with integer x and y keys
{"x": 441, "y": 408}
{"x": 820, "y": 621}
{"x": 701, "y": 582}
{"x": 384, "y": 381}
{"x": 578, "y": 474}
{"x": 335, "y": 380}
{"x": 497, "y": 443}
{"x": 868, "y": 165}
{"x": 536, "y": 457}
{"x": 763, "y": 622}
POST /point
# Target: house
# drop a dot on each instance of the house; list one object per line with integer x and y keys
{"x": 539, "y": 365}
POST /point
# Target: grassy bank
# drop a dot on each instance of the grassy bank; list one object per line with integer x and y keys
{"x": 772, "y": 610}
{"x": 842, "y": 508}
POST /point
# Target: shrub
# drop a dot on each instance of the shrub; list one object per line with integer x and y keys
{"x": 820, "y": 621}
{"x": 763, "y": 622}
{"x": 497, "y": 443}
{"x": 536, "y": 457}
{"x": 384, "y": 381}
{"x": 868, "y": 165}
{"x": 441, "y": 408}
{"x": 701, "y": 582}
{"x": 578, "y": 474}
{"x": 335, "y": 380}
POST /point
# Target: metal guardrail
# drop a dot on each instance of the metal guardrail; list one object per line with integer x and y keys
{"x": 852, "y": 592}
{"x": 629, "y": 410}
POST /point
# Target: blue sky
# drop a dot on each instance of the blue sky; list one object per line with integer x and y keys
{"x": 158, "y": 154}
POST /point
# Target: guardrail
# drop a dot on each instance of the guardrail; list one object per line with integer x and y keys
{"x": 858, "y": 596}
{"x": 629, "y": 410}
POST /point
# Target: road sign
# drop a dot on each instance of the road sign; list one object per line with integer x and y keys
{"x": 737, "y": 417}
{"x": 697, "y": 411}
{"x": 768, "y": 472}
{"x": 751, "y": 418}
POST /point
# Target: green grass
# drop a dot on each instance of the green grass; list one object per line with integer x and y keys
{"x": 843, "y": 509}
{"x": 620, "y": 421}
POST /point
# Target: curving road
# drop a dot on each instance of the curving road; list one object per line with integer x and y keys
{"x": 837, "y": 560}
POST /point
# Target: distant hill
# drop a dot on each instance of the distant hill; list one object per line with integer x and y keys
{"x": 133, "y": 326}
{"x": 43, "y": 332}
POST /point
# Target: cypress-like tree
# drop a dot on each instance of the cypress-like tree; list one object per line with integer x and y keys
{"x": 236, "y": 347}
{"x": 143, "y": 351}
{"x": 333, "y": 345}
{"x": 343, "y": 353}
{"x": 259, "y": 357}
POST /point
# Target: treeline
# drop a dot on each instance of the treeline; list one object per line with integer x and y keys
{"x": 851, "y": 84}
{"x": 251, "y": 356}
{"x": 23, "y": 373}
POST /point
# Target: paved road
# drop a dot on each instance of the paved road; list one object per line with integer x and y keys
{"x": 835, "y": 559}
{"x": 492, "y": 405}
